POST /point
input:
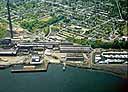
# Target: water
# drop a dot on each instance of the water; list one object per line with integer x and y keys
{"x": 57, "y": 80}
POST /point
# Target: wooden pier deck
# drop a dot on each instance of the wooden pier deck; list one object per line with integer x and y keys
{"x": 31, "y": 68}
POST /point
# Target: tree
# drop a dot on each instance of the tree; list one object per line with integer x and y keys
{"x": 3, "y": 30}
{"x": 116, "y": 44}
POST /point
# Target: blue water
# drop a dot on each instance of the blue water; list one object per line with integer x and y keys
{"x": 57, "y": 80}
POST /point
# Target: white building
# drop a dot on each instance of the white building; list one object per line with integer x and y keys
{"x": 124, "y": 38}
{"x": 116, "y": 55}
{"x": 36, "y": 59}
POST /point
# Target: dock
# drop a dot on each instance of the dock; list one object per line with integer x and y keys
{"x": 4, "y": 66}
{"x": 30, "y": 68}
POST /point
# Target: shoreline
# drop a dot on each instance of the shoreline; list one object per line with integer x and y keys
{"x": 109, "y": 69}
{"x": 122, "y": 74}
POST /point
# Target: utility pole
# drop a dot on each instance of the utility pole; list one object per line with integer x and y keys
{"x": 9, "y": 19}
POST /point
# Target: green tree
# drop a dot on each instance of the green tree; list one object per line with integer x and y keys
{"x": 3, "y": 30}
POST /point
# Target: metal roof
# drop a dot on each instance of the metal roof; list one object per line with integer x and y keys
{"x": 75, "y": 49}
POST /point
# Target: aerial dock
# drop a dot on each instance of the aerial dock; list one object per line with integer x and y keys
{"x": 30, "y": 68}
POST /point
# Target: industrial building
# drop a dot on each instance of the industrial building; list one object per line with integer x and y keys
{"x": 112, "y": 57}
{"x": 6, "y": 43}
{"x": 66, "y": 43}
{"x": 42, "y": 44}
{"x": 75, "y": 57}
{"x": 8, "y": 52}
{"x": 115, "y": 55}
{"x": 35, "y": 59}
{"x": 49, "y": 45}
{"x": 75, "y": 49}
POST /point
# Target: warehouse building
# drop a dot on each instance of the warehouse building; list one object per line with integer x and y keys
{"x": 8, "y": 52}
{"x": 75, "y": 49}
{"x": 74, "y": 57}
{"x": 36, "y": 59}
{"x": 115, "y": 55}
{"x": 49, "y": 45}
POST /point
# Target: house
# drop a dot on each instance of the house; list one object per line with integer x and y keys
{"x": 124, "y": 38}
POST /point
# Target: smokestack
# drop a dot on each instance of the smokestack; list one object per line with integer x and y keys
{"x": 9, "y": 19}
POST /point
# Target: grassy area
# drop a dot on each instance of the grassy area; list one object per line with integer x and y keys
{"x": 46, "y": 30}
{"x": 46, "y": 19}
{"x": 3, "y": 30}
{"x": 55, "y": 28}
{"x": 116, "y": 44}
{"x": 34, "y": 24}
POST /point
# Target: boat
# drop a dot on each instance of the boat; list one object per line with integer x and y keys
{"x": 64, "y": 67}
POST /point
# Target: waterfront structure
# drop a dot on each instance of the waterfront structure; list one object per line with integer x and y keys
{"x": 36, "y": 59}
{"x": 8, "y": 52}
{"x": 93, "y": 24}
{"x": 6, "y": 42}
{"x": 66, "y": 43}
{"x": 111, "y": 57}
{"x": 75, "y": 49}
{"x": 48, "y": 44}
{"x": 112, "y": 61}
{"x": 115, "y": 55}
{"x": 48, "y": 52}
{"x": 39, "y": 44}
{"x": 74, "y": 57}
{"x": 97, "y": 58}
{"x": 38, "y": 48}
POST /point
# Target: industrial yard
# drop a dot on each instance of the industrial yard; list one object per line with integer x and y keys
{"x": 83, "y": 34}
{"x": 36, "y": 56}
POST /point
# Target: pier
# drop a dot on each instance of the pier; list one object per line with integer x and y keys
{"x": 30, "y": 68}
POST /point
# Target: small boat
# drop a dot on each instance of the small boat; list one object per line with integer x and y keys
{"x": 64, "y": 67}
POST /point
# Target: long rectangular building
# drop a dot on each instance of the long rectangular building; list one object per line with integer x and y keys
{"x": 74, "y": 57}
{"x": 8, "y": 52}
{"x": 49, "y": 45}
{"x": 75, "y": 49}
{"x": 39, "y": 44}
{"x": 115, "y": 55}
